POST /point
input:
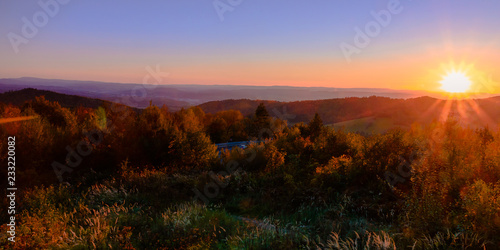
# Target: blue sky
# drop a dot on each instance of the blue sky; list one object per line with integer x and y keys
{"x": 258, "y": 42}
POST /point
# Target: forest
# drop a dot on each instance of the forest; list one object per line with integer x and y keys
{"x": 114, "y": 177}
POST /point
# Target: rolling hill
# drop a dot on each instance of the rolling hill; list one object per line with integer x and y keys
{"x": 177, "y": 96}
{"x": 19, "y": 97}
{"x": 359, "y": 114}
{"x": 374, "y": 113}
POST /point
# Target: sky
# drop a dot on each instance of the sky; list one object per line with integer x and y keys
{"x": 409, "y": 45}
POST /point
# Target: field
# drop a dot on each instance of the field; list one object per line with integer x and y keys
{"x": 368, "y": 125}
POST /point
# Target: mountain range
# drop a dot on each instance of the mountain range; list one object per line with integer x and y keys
{"x": 358, "y": 114}
{"x": 181, "y": 96}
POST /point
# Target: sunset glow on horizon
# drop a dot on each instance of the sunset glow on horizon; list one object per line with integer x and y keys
{"x": 392, "y": 44}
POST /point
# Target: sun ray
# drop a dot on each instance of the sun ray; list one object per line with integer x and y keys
{"x": 482, "y": 115}
{"x": 445, "y": 113}
{"x": 462, "y": 110}
{"x": 430, "y": 110}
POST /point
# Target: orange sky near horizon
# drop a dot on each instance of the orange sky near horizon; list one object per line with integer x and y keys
{"x": 260, "y": 43}
{"x": 418, "y": 71}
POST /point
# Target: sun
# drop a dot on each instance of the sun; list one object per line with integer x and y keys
{"x": 456, "y": 82}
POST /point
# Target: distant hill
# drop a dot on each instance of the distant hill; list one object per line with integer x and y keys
{"x": 330, "y": 110}
{"x": 373, "y": 113}
{"x": 177, "y": 96}
{"x": 19, "y": 97}
{"x": 363, "y": 114}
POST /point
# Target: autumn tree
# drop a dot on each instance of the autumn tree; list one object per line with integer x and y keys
{"x": 190, "y": 120}
{"x": 158, "y": 136}
{"x": 53, "y": 112}
{"x": 260, "y": 126}
{"x": 218, "y": 130}
{"x": 315, "y": 127}
{"x": 227, "y": 126}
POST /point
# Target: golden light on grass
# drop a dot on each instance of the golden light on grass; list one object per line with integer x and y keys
{"x": 456, "y": 82}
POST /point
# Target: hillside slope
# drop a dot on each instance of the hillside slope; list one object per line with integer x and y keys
{"x": 400, "y": 112}
{"x": 19, "y": 97}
